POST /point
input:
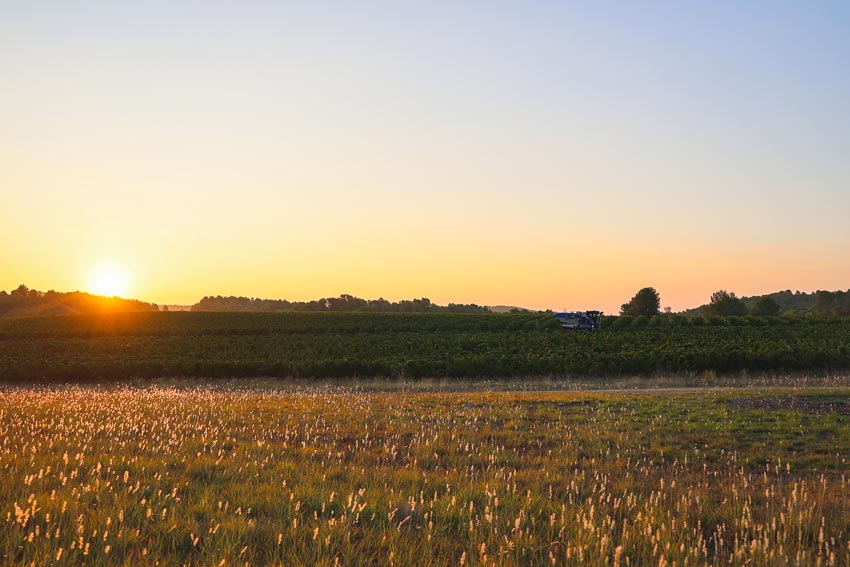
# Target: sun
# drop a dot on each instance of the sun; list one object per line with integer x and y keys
{"x": 110, "y": 281}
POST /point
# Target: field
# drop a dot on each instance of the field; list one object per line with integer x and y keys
{"x": 329, "y": 345}
{"x": 260, "y": 476}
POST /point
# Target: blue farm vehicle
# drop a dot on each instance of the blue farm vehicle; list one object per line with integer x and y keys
{"x": 587, "y": 320}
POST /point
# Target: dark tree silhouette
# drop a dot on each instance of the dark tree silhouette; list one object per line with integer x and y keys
{"x": 646, "y": 302}
{"x": 723, "y": 303}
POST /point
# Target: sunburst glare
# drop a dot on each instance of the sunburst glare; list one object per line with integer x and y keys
{"x": 109, "y": 281}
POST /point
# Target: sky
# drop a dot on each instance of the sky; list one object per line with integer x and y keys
{"x": 541, "y": 154}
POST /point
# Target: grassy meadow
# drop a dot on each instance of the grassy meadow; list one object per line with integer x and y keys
{"x": 265, "y": 476}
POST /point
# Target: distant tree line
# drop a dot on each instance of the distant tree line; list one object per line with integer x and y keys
{"x": 342, "y": 303}
{"x": 24, "y": 302}
{"x": 819, "y": 304}
{"x": 647, "y": 303}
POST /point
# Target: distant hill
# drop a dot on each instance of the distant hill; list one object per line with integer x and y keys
{"x": 25, "y": 302}
{"x": 825, "y": 303}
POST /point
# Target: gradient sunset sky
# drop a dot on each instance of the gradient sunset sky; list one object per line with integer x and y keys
{"x": 542, "y": 154}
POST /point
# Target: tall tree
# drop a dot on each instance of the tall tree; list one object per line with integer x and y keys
{"x": 647, "y": 302}
{"x": 824, "y": 302}
{"x": 766, "y": 306}
{"x": 724, "y": 303}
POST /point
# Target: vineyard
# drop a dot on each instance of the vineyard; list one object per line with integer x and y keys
{"x": 329, "y": 345}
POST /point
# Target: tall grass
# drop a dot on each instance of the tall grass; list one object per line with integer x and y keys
{"x": 259, "y": 477}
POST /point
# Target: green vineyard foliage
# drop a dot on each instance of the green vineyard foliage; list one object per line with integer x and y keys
{"x": 397, "y": 345}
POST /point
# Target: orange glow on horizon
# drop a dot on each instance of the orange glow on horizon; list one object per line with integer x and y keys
{"x": 109, "y": 281}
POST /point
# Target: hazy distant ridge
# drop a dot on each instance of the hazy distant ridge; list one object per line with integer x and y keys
{"x": 25, "y": 302}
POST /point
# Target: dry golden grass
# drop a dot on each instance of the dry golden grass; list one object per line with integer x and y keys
{"x": 200, "y": 476}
